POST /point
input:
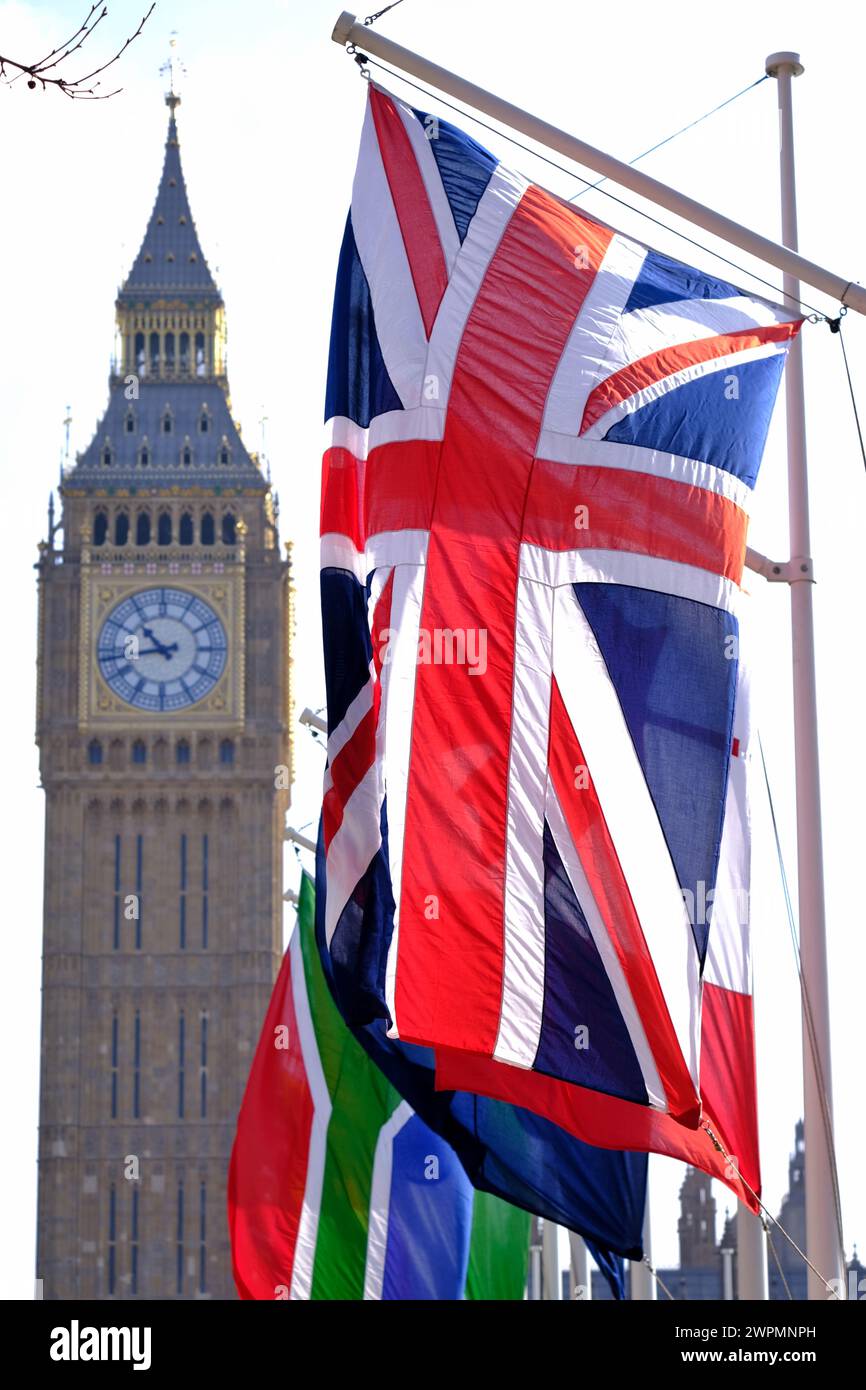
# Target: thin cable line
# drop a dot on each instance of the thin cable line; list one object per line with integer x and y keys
{"x": 766, "y": 1210}
{"x": 668, "y": 138}
{"x": 655, "y": 1274}
{"x": 371, "y": 18}
{"x": 850, "y": 385}
{"x": 774, "y": 1252}
{"x": 468, "y": 115}
{"x": 807, "y": 1014}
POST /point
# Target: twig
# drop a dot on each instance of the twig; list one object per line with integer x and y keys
{"x": 75, "y": 89}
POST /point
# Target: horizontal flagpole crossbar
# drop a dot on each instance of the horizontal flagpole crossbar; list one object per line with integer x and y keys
{"x": 348, "y": 30}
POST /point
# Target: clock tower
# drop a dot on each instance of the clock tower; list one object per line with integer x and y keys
{"x": 164, "y": 704}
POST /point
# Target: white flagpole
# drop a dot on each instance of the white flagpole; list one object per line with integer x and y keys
{"x": 822, "y": 1235}
{"x": 643, "y": 1283}
{"x": 581, "y": 1281}
{"x": 347, "y": 30}
{"x": 751, "y": 1256}
{"x": 550, "y": 1277}
{"x": 535, "y": 1272}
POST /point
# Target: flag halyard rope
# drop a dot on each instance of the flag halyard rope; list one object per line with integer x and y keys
{"x": 655, "y": 1274}
{"x": 717, "y": 1143}
{"x": 775, "y": 1254}
{"x": 807, "y": 1010}
{"x": 835, "y": 326}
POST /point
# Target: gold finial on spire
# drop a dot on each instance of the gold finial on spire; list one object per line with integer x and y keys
{"x": 174, "y": 70}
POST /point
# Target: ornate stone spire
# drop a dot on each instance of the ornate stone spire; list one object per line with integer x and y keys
{"x": 169, "y": 421}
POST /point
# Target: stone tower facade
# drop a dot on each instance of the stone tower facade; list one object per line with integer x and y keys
{"x": 164, "y": 711}
{"x": 697, "y": 1222}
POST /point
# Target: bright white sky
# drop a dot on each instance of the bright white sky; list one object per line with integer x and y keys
{"x": 269, "y": 128}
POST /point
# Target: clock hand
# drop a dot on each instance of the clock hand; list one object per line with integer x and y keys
{"x": 160, "y": 646}
{"x": 158, "y": 651}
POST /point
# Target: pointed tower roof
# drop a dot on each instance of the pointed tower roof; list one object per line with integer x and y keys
{"x": 170, "y": 259}
{"x": 168, "y": 423}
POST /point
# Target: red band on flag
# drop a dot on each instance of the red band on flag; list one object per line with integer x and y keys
{"x": 595, "y": 849}
{"x": 625, "y": 510}
{"x": 342, "y": 496}
{"x": 658, "y": 365}
{"x": 417, "y": 223}
{"x": 400, "y": 485}
{"x": 349, "y": 767}
{"x": 358, "y": 753}
{"x": 729, "y": 1076}
{"x": 596, "y": 1118}
{"x": 270, "y": 1156}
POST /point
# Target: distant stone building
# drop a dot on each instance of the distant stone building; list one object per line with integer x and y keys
{"x": 163, "y": 727}
{"x": 792, "y": 1218}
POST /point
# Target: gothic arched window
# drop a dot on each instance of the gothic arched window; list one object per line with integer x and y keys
{"x": 186, "y": 531}
{"x": 144, "y": 454}
{"x": 167, "y": 421}
{"x": 181, "y": 752}
{"x": 139, "y": 751}
{"x": 130, "y": 421}
{"x": 100, "y": 528}
{"x": 121, "y": 528}
{"x": 140, "y": 359}
{"x": 154, "y": 353}
{"x": 169, "y": 352}
{"x": 94, "y": 752}
{"x": 163, "y": 528}
{"x": 184, "y": 352}
{"x": 229, "y": 529}
{"x": 142, "y": 528}
{"x": 199, "y": 354}
{"x": 208, "y": 530}
{"x": 107, "y": 456}
{"x": 227, "y": 752}
{"x": 204, "y": 421}
{"x": 186, "y": 454}
{"x": 225, "y": 454}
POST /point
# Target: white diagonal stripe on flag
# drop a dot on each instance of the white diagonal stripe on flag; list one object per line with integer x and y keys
{"x": 360, "y": 706}
{"x": 399, "y": 325}
{"x": 586, "y": 452}
{"x": 728, "y": 961}
{"x": 724, "y": 366}
{"x": 598, "y": 721}
{"x": 308, "y": 1225}
{"x": 394, "y": 736}
{"x": 380, "y": 1200}
{"x": 524, "y": 955}
{"x": 494, "y": 212}
{"x": 564, "y": 567}
{"x": 353, "y": 846}
{"x": 584, "y": 363}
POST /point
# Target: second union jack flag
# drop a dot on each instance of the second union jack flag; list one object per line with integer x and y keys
{"x": 543, "y": 439}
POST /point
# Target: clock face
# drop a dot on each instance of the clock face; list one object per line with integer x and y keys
{"x": 162, "y": 649}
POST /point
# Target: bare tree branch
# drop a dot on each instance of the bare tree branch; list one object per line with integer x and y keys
{"x": 67, "y": 45}
{"x": 35, "y": 72}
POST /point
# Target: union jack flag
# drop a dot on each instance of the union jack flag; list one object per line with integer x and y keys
{"x": 543, "y": 439}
